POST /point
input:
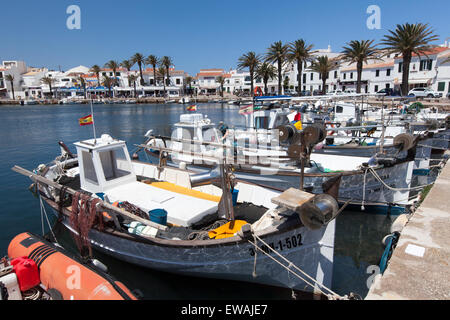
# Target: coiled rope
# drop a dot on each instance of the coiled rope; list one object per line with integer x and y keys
{"x": 306, "y": 278}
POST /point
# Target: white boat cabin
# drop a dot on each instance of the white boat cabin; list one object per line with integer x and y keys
{"x": 267, "y": 119}
{"x": 105, "y": 167}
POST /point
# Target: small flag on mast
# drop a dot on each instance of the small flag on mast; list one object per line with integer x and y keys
{"x": 86, "y": 120}
{"x": 192, "y": 108}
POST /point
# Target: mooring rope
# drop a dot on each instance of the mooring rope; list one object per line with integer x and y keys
{"x": 395, "y": 189}
{"x": 44, "y": 213}
{"x": 311, "y": 281}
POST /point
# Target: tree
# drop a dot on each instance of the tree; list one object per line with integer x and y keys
{"x": 10, "y": 78}
{"x": 323, "y": 65}
{"x": 153, "y": 61}
{"x": 276, "y": 53}
{"x": 251, "y": 61}
{"x": 408, "y": 39}
{"x": 82, "y": 85}
{"x": 221, "y": 81}
{"x": 166, "y": 62}
{"x": 161, "y": 75}
{"x": 96, "y": 69}
{"x": 140, "y": 60}
{"x": 108, "y": 82}
{"x": 48, "y": 81}
{"x": 127, "y": 64}
{"x": 359, "y": 52}
{"x": 266, "y": 71}
{"x": 132, "y": 79}
{"x": 299, "y": 52}
{"x": 189, "y": 80}
{"x": 114, "y": 65}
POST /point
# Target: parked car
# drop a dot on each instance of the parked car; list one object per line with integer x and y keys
{"x": 388, "y": 92}
{"x": 317, "y": 92}
{"x": 335, "y": 93}
{"x": 350, "y": 91}
{"x": 424, "y": 93}
{"x": 290, "y": 92}
{"x": 305, "y": 93}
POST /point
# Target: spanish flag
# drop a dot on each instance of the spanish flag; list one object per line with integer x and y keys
{"x": 86, "y": 120}
{"x": 192, "y": 108}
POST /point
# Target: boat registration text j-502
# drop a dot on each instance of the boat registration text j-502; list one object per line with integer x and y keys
{"x": 281, "y": 244}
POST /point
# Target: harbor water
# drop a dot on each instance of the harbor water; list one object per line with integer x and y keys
{"x": 30, "y": 135}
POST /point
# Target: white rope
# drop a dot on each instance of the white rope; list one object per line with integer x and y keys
{"x": 364, "y": 191}
{"x": 44, "y": 212}
{"x": 396, "y": 189}
{"x": 290, "y": 264}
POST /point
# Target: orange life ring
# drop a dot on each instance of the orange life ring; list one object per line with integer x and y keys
{"x": 65, "y": 275}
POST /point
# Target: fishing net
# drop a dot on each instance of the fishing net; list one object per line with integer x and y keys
{"x": 84, "y": 213}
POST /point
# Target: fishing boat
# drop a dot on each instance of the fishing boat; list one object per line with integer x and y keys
{"x": 36, "y": 269}
{"x": 202, "y": 225}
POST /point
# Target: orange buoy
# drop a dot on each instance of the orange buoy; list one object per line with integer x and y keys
{"x": 63, "y": 276}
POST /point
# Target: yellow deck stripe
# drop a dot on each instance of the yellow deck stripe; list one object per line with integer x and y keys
{"x": 182, "y": 190}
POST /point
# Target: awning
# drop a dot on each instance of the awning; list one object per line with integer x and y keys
{"x": 420, "y": 81}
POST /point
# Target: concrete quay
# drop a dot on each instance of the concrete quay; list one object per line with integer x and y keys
{"x": 419, "y": 268}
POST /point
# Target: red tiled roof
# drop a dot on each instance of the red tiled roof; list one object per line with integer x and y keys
{"x": 432, "y": 51}
{"x": 371, "y": 66}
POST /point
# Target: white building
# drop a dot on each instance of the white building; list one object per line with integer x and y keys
{"x": 16, "y": 69}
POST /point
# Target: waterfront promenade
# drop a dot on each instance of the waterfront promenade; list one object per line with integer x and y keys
{"x": 419, "y": 266}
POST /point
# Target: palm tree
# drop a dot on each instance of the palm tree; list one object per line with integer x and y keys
{"x": 407, "y": 39}
{"x": 10, "y": 78}
{"x": 132, "y": 79}
{"x": 161, "y": 74}
{"x": 251, "y": 61}
{"x": 108, "y": 82}
{"x": 221, "y": 81}
{"x": 166, "y": 62}
{"x": 299, "y": 52}
{"x": 153, "y": 61}
{"x": 140, "y": 60}
{"x": 323, "y": 65}
{"x": 114, "y": 65}
{"x": 266, "y": 71}
{"x": 359, "y": 52}
{"x": 48, "y": 81}
{"x": 96, "y": 69}
{"x": 277, "y": 53}
{"x": 127, "y": 64}
{"x": 82, "y": 84}
{"x": 189, "y": 80}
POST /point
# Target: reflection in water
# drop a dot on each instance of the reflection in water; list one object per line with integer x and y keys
{"x": 30, "y": 135}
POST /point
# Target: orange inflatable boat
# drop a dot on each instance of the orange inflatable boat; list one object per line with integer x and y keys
{"x": 64, "y": 276}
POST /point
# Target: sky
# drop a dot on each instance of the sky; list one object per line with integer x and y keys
{"x": 196, "y": 34}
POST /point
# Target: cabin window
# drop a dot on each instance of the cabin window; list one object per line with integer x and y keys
{"x": 280, "y": 120}
{"x": 339, "y": 109}
{"x": 262, "y": 122}
{"x": 114, "y": 163}
{"x": 88, "y": 167}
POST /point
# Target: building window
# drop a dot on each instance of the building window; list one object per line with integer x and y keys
{"x": 151, "y": 81}
{"x": 377, "y": 73}
{"x": 320, "y": 76}
{"x": 400, "y": 67}
{"x": 441, "y": 86}
{"x": 426, "y": 65}
{"x": 345, "y": 76}
{"x": 388, "y": 85}
{"x": 335, "y": 74}
{"x": 178, "y": 81}
{"x": 388, "y": 72}
{"x": 351, "y": 75}
{"x": 312, "y": 76}
{"x": 304, "y": 78}
{"x": 376, "y": 88}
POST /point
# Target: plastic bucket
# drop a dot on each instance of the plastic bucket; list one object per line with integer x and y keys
{"x": 158, "y": 216}
{"x": 234, "y": 196}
